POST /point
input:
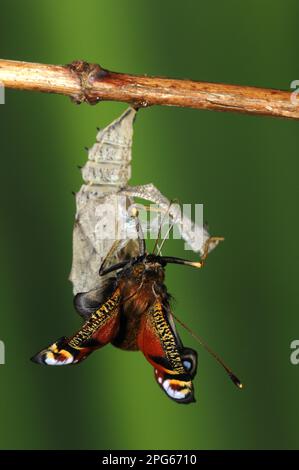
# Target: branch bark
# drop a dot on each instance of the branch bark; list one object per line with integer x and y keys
{"x": 90, "y": 83}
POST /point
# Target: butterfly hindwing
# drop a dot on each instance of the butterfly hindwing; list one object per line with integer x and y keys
{"x": 162, "y": 347}
{"x": 98, "y": 330}
{"x": 87, "y": 302}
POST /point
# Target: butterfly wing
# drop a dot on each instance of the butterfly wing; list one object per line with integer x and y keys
{"x": 98, "y": 330}
{"x": 162, "y": 347}
{"x": 87, "y": 302}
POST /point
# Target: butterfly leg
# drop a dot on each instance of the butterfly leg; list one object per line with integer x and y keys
{"x": 209, "y": 244}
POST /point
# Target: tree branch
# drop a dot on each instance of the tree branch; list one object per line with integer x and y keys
{"x": 90, "y": 83}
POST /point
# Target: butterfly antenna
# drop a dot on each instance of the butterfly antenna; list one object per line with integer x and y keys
{"x": 140, "y": 235}
{"x": 231, "y": 375}
{"x": 160, "y": 227}
{"x": 163, "y": 241}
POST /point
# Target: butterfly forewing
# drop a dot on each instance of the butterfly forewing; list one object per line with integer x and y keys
{"x": 162, "y": 347}
{"x": 98, "y": 330}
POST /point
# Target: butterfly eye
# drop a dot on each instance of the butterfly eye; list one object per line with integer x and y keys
{"x": 189, "y": 360}
{"x": 187, "y": 364}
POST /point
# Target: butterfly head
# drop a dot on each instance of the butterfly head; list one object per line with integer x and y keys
{"x": 149, "y": 265}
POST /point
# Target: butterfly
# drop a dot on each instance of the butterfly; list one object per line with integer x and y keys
{"x": 132, "y": 310}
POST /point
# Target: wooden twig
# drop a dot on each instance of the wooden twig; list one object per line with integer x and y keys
{"x": 90, "y": 83}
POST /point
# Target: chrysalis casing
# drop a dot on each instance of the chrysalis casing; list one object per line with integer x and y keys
{"x": 103, "y": 200}
{"x": 105, "y": 173}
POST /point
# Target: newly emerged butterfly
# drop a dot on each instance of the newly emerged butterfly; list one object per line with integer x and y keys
{"x": 128, "y": 304}
{"x": 132, "y": 311}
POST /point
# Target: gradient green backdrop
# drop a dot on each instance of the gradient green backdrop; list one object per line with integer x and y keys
{"x": 243, "y": 168}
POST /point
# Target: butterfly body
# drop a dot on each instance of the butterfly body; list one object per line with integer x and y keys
{"x": 133, "y": 313}
{"x": 141, "y": 284}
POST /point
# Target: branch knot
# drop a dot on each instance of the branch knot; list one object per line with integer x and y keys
{"x": 86, "y": 73}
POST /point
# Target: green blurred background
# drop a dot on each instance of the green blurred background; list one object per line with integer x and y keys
{"x": 243, "y": 168}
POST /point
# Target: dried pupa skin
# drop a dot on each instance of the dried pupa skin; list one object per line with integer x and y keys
{"x": 103, "y": 201}
{"x": 98, "y": 204}
{"x": 109, "y": 159}
{"x": 194, "y": 235}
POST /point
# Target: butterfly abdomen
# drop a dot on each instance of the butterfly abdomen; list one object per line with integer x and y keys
{"x": 136, "y": 301}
